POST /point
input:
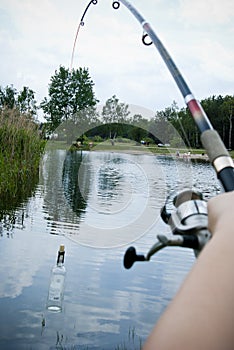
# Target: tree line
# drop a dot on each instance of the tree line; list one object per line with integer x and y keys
{"x": 71, "y": 97}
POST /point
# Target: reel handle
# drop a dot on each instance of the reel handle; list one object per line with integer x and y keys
{"x": 131, "y": 256}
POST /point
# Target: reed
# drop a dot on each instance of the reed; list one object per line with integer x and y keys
{"x": 20, "y": 151}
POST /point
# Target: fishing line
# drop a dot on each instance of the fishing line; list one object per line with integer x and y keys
{"x": 81, "y": 24}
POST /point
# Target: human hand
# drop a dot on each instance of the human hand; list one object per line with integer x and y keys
{"x": 221, "y": 213}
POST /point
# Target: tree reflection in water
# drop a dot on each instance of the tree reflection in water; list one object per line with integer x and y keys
{"x": 13, "y": 207}
{"x": 72, "y": 182}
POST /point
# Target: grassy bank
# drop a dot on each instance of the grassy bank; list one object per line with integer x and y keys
{"x": 129, "y": 146}
{"x": 20, "y": 151}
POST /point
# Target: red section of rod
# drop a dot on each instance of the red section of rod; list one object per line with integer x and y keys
{"x": 199, "y": 115}
{"x": 194, "y": 107}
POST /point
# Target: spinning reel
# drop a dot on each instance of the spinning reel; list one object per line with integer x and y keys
{"x": 188, "y": 223}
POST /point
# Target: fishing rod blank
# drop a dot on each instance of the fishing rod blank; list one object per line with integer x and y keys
{"x": 217, "y": 153}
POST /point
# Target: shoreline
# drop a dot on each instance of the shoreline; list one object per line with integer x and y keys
{"x": 183, "y": 156}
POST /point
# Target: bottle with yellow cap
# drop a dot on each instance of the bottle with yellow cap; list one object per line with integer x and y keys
{"x": 57, "y": 280}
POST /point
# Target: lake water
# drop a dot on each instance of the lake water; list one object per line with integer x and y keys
{"x": 97, "y": 204}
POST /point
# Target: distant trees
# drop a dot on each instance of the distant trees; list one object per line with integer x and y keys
{"x": 172, "y": 125}
{"x": 227, "y": 112}
{"x": 71, "y": 99}
{"x": 220, "y": 111}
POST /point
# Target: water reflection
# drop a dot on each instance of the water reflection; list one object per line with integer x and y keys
{"x": 60, "y": 216}
{"x": 107, "y": 199}
{"x": 105, "y": 306}
{"x": 118, "y": 191}
{"x": 72, "y": 187}
{"x": 109, "y": 181}
{"x": 12, "y": 206}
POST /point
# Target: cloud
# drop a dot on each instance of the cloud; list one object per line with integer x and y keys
{"x": 222, "y": 64}
{"x": 208, "y": 11}
{"x": 38, "y": 37}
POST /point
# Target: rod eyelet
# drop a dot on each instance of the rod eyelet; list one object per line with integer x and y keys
{"x": 82, "y": 23}
{"x": 147, "y": 43}
{"x": 94, "y": 2}
{"x": 115, "y": 5}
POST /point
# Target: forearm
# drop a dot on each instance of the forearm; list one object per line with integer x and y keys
{"x": 201, "y": 316}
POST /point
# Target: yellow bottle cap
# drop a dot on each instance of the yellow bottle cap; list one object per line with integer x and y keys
{"x": 62, "y": 248}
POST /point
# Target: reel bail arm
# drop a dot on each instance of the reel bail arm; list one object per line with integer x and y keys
{"x": 188, "y": 224}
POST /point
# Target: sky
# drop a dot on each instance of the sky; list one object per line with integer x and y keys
{"x": 37, "y": 37}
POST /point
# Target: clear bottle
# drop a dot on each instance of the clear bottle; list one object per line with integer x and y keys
{"x": 57, "y": 280}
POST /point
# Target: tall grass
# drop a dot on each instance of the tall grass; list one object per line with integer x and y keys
{"x": 20, "y": 151}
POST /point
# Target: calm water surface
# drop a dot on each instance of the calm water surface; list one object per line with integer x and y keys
{"x": 96, "y": 204}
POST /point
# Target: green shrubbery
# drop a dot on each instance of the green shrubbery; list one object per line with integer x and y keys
{"x": 20, "y": 151}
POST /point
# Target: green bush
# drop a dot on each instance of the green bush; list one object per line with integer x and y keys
{"x": 20, "y": 151}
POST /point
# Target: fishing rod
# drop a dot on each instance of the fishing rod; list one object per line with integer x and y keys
{"x": 211, "y": 141}
{"x": 189, "y": 220}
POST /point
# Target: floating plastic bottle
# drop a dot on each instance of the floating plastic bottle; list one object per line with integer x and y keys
{"x": 57, "y": 280}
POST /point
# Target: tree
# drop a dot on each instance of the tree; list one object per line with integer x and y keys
{"x": 8, "y": 97}
{"x": 139, "y": 130}
{"x": 114, "y": 111}
{"x": 220, "y": 112}
{"x": 80, "y": 124}
{"x": 24, "y": 100}
{"x": 69, "y": 93}
{"x": 161, "y": 126}
{"x": 114, "y": 115}
{"x": 212, "y": 106}
{"x": 227, "y": 112}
